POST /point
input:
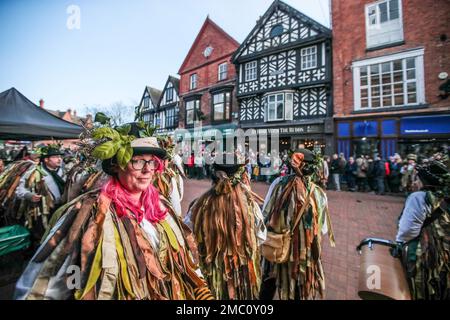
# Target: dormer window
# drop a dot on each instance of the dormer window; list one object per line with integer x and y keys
{"x": 169, "y": 93}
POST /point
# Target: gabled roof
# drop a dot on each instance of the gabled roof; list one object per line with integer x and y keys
{"x": 154, "y": 94}
{"x": 176, "y": 85}
{"x": 280, "y": 5}
{"x": 207, "y": 24}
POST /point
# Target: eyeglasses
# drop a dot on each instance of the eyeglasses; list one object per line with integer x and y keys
{"x": 140, "y": 164}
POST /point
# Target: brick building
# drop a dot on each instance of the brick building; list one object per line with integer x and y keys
{"x": 207, "y": 81}
{"x": 390, "y": 76}
{"x": 70, "y": 116}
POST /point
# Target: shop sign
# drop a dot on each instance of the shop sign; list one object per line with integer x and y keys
{"x": 292, "y": 130}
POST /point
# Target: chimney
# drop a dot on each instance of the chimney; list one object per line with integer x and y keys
{"x": 41, "y": 103}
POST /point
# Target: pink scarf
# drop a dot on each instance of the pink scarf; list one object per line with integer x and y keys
{"x": 121, "y": 199}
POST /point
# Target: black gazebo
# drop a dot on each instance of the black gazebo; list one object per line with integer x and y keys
{"x": 21, "y": 119}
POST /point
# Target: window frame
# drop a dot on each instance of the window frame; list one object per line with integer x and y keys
{"x": 193, "y": 81}
{"x": 276, "y": 95}
{"x": 227, "y": 99}
{"x": 378, "y": 25}
{"x": 169, "y": 93}
{"x": 251, "y": 68}
{"x": 196, "y": 106}
{"x": 419, "y": 80}
{"x": 304, "y": 55}
{"x": 170, "y": 117}
{"x": 220, "y": 72}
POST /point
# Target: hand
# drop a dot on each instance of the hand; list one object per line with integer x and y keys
{"x": 36, "y": 198}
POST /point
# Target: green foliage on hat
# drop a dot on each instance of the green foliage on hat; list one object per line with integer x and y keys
{"x": 113, "y": 142}
{"x": 145, "y": 130}
{"x": 44, "y": 150}
{"x": 166, "y": 143}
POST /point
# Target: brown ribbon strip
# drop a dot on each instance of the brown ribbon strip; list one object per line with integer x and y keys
{"x": 138, "y": 255}
{"x": 56, "y": 238}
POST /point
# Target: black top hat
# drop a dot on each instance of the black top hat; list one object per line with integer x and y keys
{"x": 229, "y": 168}
{"x": 51, "y": 151}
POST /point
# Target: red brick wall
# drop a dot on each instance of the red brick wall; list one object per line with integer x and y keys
{"x": 207, "y": 74}
{"x": 423, "y": 23}
{"x": 207, "y": 68}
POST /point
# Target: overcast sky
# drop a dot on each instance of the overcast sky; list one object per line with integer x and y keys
{"x": 120, "y": 47}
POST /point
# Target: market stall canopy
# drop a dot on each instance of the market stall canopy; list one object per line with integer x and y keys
{"x": 21, "y": 119}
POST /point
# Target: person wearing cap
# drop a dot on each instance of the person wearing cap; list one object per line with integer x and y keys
{"x": 424, "y": 233}
{"x": 410, "y": 181}
{"x": 40, "y": 190}
{"x": 297, "y": 205}
{"x": 123, "y": 241}
{"x": 228, "y": 226}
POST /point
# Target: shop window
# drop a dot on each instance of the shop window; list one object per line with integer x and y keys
{"x": 366, "y": 146}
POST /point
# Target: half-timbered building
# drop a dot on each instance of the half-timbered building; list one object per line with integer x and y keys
{"x": 284, "y": 78}
{"x": 147, "y": 108}
{"x": 168, "y": 107}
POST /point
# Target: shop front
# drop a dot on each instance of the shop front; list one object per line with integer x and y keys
{"x": 424, "y": 135}
{"x": 421, "y": 135}
{"x": 201, "y": 136}
{"x": 310, "y": 136}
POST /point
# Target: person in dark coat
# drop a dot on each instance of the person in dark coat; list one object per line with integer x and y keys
{"x": 335, "y": 172}
{"x": 350, "y": 172}
{"x": 395, "y": 175}
{"x": 379, "y": 174}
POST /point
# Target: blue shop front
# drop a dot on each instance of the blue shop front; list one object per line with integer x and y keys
{"x": 421, "y": 135}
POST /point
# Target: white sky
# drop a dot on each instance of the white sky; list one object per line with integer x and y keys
{"x": 121, "y": 47}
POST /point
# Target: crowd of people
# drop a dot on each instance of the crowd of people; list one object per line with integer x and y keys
{"x": 373, "y": 174}
{"x": 115, "y": 212}
{"x": 362, "y": 173}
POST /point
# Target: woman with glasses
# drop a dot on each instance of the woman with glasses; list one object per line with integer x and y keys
{"x": 123, "y": 241}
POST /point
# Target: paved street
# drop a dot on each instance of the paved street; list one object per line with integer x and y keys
{"x": 355, "y": 216}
